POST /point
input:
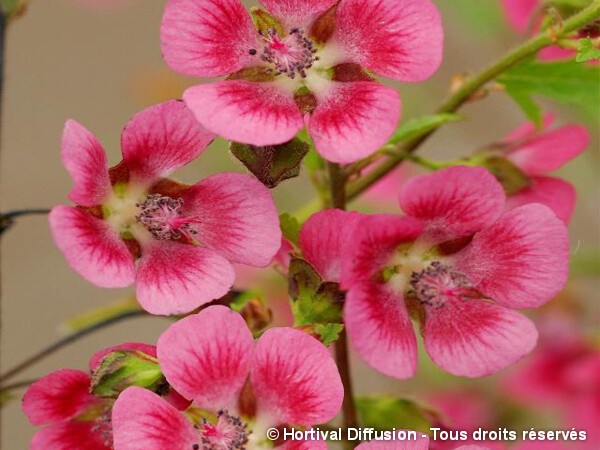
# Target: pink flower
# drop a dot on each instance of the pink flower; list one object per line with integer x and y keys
{"x": 303, "y": 68}
{"x": 73, "y": 418}
{"x": 185, "y": 237}
{"x": 240, "y": 387}
{"x": 536, "y": 153}
{"x": 459, "y": 267}
{"x": 422, "y": 443}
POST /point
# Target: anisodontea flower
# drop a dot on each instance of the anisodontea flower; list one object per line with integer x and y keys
{"x": 74, "y": 418}
{"x": 421, "y": 443}
{"x": 239, "y": 387}
{"x": 184, "y": 238}
{"x": 307, "y": 64}
{"x": 538, "y": 152}
{"x": 459, "y": 267}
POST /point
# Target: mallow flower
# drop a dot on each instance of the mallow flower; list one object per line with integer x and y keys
{"x": 239, "y": 387}
{"x": 73, "y": 417}
{"x": 303, "y": 63}
{"x": 184, "y": 238}
{"x": 460, "y": 266}
{"x": 535, "y": 153}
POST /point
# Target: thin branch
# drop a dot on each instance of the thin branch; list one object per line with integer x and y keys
{"x": 473, "y": 85}
{"x": 7, "y": 218}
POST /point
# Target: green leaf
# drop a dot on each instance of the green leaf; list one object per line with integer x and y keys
{"x": 531, "y": 109}
{"x": 421, "y": 125}
{"x": 290, "y": 227}
{"x": 124, "y": 368}
{"x": 272, "y": 164}
{"x": 387, "y": 412}
{"x": 562, "y": 81}
{"x": 586, "y": 264}
{"x": 12, "y": 8}
{"x": 328, "y": 332}
{"x": 586, "y": 51}
{"x": 106, "y": 312}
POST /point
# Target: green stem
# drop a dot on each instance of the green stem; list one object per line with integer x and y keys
{"x": 471, "y": 86}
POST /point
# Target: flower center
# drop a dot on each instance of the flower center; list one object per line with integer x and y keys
{"x": 437, "y": 283}
{"x": 290, "y": 55}
{"x": 229, "y": 433}
{"x": 162, "y": 216}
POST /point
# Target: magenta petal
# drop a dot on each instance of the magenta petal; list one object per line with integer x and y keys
{"x": 528, "y": 130}
{"x": 373, "y": 245}
{"x": 520, "y": 13}
{"x": 262, "y": 113}
{"x": 85, "y": 160}
{"x": 208, "y": 38}
{"x": 353, "y": 120}
{"x": 176, "y": 278}
{"x": 236, "y": 216}
{"x": 323, "y": 240}
{"x": 207, "y": 356}
{"x": 97, "y": 357}
{"x": 161, "y": 139}
{"x": 57, "y": 396}
{"x": 455, "y": 202}
{"x": 559, "y": 195}
{"x": 550, "y": 150}
{"x": 144, "y": 421}
{"x": 380, "y": 329}
{"x": 400, "y": 39}
{"x": 92, "y": 248}
{"x": 294, "y": 378}
{"x": 422, "y": 443}
{"x": 294, "y": 13}
{"x": 474, "y": 338}
{"x": 69, "y": 435}
{"x": 522, "y": 260}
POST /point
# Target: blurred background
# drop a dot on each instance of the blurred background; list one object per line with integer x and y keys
{"x": 66, "y": 59}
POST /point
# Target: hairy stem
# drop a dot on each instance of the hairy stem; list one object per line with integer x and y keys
{"x": 337, "y": 186}
{"x": 44, "y": 353}
{"x": 474, "y": 84}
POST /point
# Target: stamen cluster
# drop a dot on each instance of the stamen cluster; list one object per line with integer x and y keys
{"x": 162, "y": 216}
{"x": 291, "y": 55}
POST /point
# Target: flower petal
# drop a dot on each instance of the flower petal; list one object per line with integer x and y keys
{"x": 550, "y": 150}
{"x": 57, "y": 396}
{"x": 176, "y": 278}
{"x": 455, "y": 202}
{"x": 353, "y": 120}
{"x": 380, "y": 329}
{"x": 92, "y": 248}
{"x": 85, "y": 160}
{"x": 210, "y": 38}
{"x": 262, "y": 113}
{"x": 295, "y": 14}
{"x": 161, "y": 139}
{"x": 69, "y": 435}
{"x": 294, "y": 378}
{"x": 475, "y": 338}
{"x": 323, "y": 240}
{"x": 557, "y": 194}
{"x": 528, "y": 130}
{"x": 374, "y": 244}
{"x": 143, "y": 421}
{"x": 520, "y": 13}
{"x": 236, "y": 216}
{"x": 97, "y": 358}
{"x": 400, "y": 39}
{"x": 422, "y": 443}
{"x": 207, "y": 356}
{"x": 522, "y": 260}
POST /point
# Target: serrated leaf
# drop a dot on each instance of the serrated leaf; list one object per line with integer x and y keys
{"x": 102, "y": 314}
{"x": 290, "y": 227}
{"x": 586, "y": 51}
{"x": 329, "y": 332}
{"x": 562, "y": 81}
{"x": 272, "y": 164}
{"x": 421, "y": 125}
{"x": 387, "y": 412}
{"x": 531, "y": 109}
